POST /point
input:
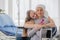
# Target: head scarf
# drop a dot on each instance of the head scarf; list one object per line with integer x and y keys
{"x": 40, "y": 5}
{"x": 43, "y": 6}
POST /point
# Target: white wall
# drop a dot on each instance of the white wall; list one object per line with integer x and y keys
{"x": 10, "y": 8}
{"x": 23, "y": 7}
{"x": 15, "y": 12}
{"x": 7, "y": 6}
{"x": 2, "y": 4}
{"x": 59, "y": 14}
{"x": 59, "y": 11}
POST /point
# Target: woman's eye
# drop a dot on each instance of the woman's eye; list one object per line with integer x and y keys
{"x": 41, "y": 10}
{"x": 37, "y": 10}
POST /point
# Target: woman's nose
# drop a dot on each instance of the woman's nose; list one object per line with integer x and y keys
{"x": 35, "y": 15}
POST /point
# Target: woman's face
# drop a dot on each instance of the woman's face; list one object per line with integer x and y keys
{"x": 39, "y": 11}
{"x": 33, "y": 15}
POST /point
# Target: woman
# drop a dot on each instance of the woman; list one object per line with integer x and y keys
{"x": 49, "y": 23}
{"x": 36, "y": 26}
{"x": 31, "y": 15}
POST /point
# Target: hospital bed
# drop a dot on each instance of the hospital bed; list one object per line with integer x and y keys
{"x": 8, "y": 29}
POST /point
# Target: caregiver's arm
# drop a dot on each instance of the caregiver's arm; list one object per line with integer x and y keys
{"x": 30, "y": 24}
{"x": 31, "y": 32}
{"x": 51, "y": 23}
{"x": 34, "y": 30}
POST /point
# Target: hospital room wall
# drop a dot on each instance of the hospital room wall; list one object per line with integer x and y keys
{"x": 2, "y": 4}
{"x": 10, "y": 8}
{"x": 6, "y": 5}
{"x": 59, "y": 14}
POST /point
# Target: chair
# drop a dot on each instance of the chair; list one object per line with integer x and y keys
{"x": 52, "y": 32}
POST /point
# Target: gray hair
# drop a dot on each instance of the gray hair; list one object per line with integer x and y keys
{"x": 43, "y": 6}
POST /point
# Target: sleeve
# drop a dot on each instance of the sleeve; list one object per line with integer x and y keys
{"x": 31, "y": 32}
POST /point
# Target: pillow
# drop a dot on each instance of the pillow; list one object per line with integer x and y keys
{"x": 5, "y": 20}
{"x": 9, "y": 26}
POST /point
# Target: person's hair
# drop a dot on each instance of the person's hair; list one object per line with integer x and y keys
{"x": 28, "y": 18}
{"x": 25, "y": 32}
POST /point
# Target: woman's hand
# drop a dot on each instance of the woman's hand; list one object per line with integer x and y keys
{"x": 50, "y": 24}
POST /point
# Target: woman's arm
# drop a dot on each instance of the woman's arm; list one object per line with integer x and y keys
{"x": 35, "y": 28}
{"x": 31, "y": 24}
{"x": 50, "y": 24}
{"x": 33, "y": 31}
{"x": 28, "y": 25}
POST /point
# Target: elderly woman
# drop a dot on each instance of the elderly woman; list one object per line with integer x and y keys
{"x": 41, "y": 21}
{"x": 47, "y": 21}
